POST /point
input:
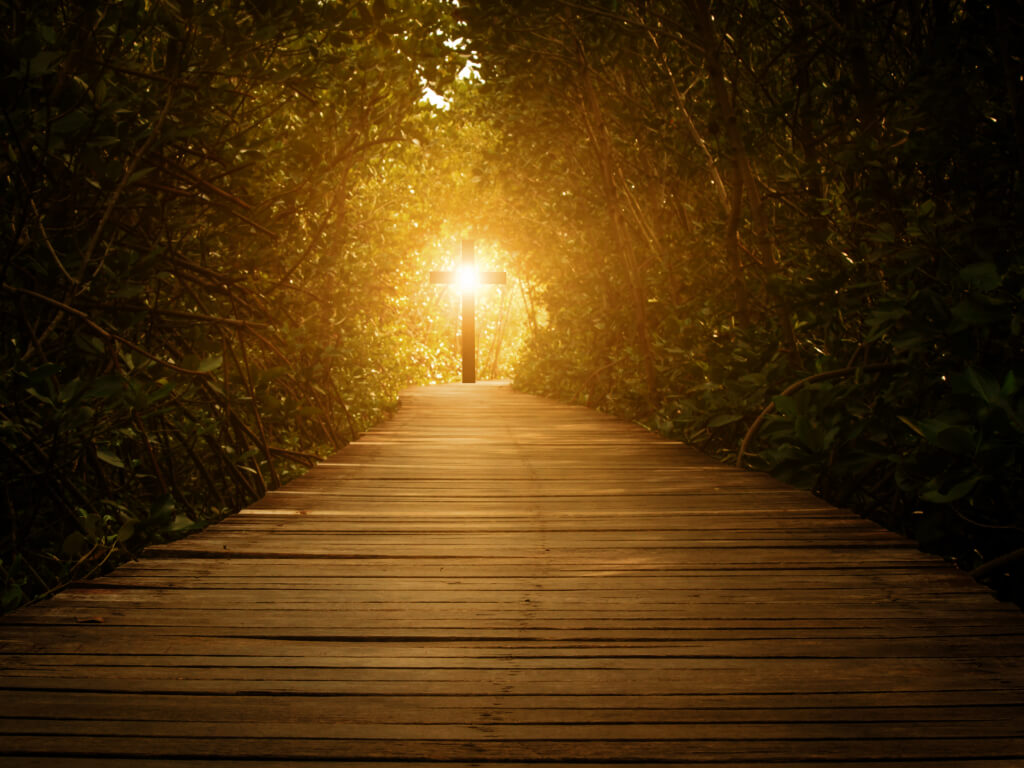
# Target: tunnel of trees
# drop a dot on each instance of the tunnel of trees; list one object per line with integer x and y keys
{"x": 786, "y": 233}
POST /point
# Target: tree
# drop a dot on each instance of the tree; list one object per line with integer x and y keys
{"x": 733, "y": 199}
{"x": 202, "y": 264}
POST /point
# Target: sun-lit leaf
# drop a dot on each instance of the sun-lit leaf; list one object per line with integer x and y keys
{"x": 107, "y": 457}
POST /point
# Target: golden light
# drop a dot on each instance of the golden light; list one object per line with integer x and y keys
{"x": 468, "y": 279}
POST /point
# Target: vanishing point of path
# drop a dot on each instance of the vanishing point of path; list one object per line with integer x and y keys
{"x": 491, "y": 577}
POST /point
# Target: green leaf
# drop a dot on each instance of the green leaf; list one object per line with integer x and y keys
{"x": 109, "y": 458}
{"x": 988, "y": 389}
{"x": 42, "y": 63}
{"x": 161, "y": 510}
{"x": 211, "y": 364}
{"x": 883, "y": 234}
{"x": 69, "y": 390}
{"x": 141, "y": 174}
{"x": 955, "y": 493}
{"x": 125, "y": 532}
{"x": 181, "y": 524}
{"x": 43, "y": 372}
{"x": 724, "y": 418}
{"x": 983, "y": 275}
{"x": 74, "y": 544}
{"x": 43, "y": 398}
{"x": 785, "y": 405}
{"x": 958, "y": 440}
{"x": 103, "y": 141}
{"x": 13, "y": 596}
{"x": 130, "y": 291}
{"x": 913, "y": 427}
{"x": 1010, "y": 384}
{"x": 165, "y": 389}
{"x": 71, "y": 122}
{"x": 105, "y": 387}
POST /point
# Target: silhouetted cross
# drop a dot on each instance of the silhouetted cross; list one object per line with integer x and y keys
{"x": 468, "y": 279}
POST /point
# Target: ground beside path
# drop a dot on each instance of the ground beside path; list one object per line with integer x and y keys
{"x": 491, "y": 577}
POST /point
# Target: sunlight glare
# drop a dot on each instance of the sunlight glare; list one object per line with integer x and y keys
{"x": 434, "y": 99}
{"x": 468, "y": 279}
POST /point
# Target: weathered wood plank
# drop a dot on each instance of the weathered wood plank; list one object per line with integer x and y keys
{"x": 857, "y": 746}
{"x": 29, "y": 761}
{"x": 343, "y": 728}
{"x": 127, "y": 710}
{"x": 495, "y": 578}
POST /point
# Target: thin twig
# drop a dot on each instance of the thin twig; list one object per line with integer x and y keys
{"x": 49, "y": 245}
{"x": 998, "y": 563}
{"x": 103, "y": 331}
{"x": 128, "y": 173}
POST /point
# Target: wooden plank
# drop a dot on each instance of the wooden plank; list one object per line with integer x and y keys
{"x": 344, "y": 728}
{"x": 29, "y": 761}
{"x": 490, "y": 577}
{"x": 856, "y": 746}
{"x": 129, "y": 708}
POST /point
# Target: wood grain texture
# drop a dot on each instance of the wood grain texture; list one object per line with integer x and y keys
{"x": 494, "y": 578}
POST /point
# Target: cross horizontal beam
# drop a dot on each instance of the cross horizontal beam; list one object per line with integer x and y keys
{"x": 450, "y": 277}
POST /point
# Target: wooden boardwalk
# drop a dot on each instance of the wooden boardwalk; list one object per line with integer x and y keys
{"x": 491, "y": 577}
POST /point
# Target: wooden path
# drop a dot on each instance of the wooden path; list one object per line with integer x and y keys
{"x": 495, "y": 578}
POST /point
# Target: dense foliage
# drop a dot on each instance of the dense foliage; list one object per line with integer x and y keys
{"x": 785, "y": 232}
{"x": 210, "y": 268}
{"x": 722, "y": 202}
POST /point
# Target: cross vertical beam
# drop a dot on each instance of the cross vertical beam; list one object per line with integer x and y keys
{"x": 468, "y": 316}
{"x": 469, "y": 278}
